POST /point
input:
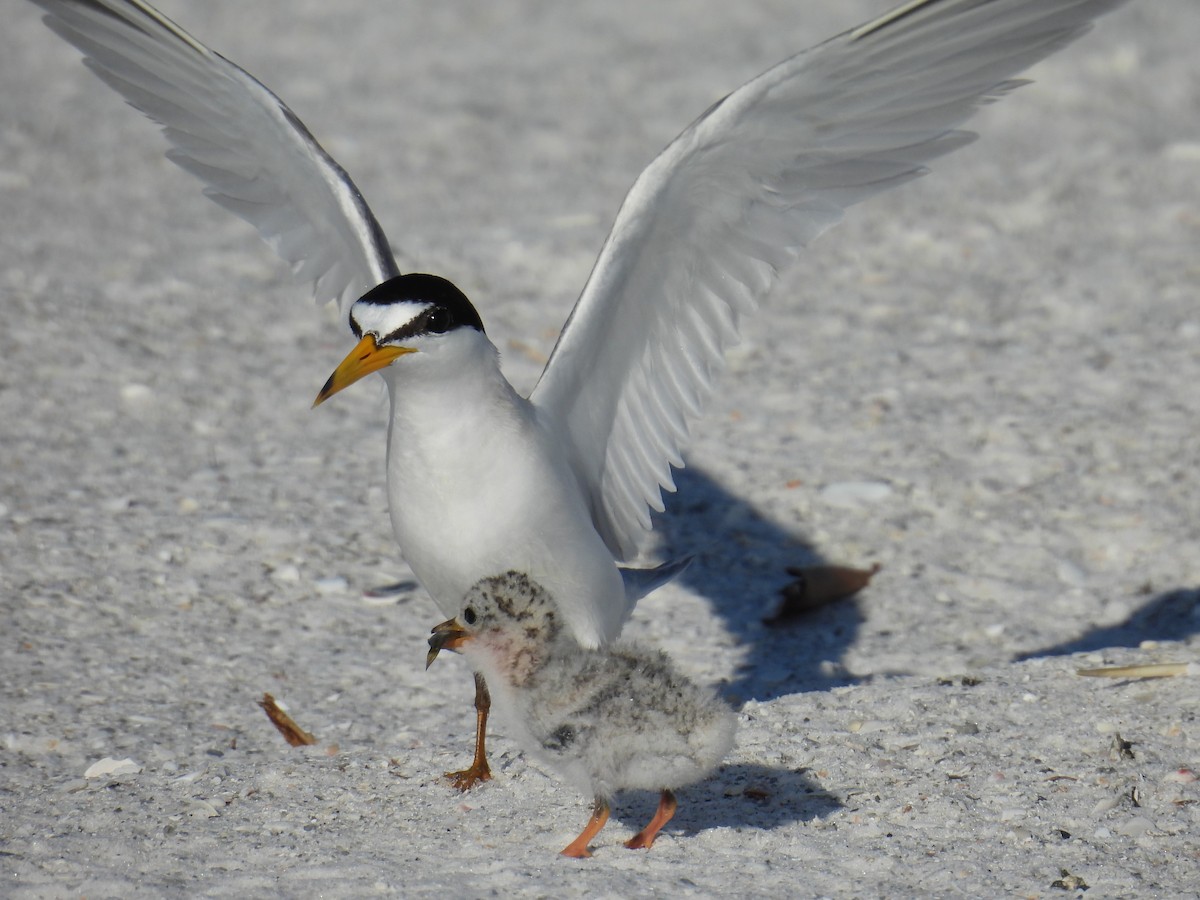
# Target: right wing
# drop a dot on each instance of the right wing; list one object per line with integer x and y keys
{"x": 253, "y": 155}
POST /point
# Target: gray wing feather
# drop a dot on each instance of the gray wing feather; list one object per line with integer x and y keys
{"x": 254, "y": 157}
{"x": 708, "y": 226}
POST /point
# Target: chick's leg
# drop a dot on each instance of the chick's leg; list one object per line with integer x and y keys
{"x": 644, "y": 839}
{"x": 578, "y": 848}
{"x": 479, "y": 770}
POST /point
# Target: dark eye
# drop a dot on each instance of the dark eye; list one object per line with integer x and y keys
{"x": 469, "y": 616}
{"x": 438, "y": 320}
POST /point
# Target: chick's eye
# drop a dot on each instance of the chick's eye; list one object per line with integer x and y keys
{"x": 469, "y": 616}
{"x": 437, "y": 320}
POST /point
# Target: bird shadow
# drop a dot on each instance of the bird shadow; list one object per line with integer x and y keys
{"x": 739, "y": 795}
{"x": 1170, "y": 616}
{"x": 741, "y": 557}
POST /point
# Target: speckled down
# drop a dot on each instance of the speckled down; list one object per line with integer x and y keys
{"x": 621, "y": 717}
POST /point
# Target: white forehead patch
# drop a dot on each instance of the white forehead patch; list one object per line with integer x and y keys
{"x": 383, "y": 319}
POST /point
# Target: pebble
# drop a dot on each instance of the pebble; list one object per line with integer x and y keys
{"x": 11, "y": 179}
{"x": 1182, "y": 151}
{"x": 1071, "y": 574}
{"x": 855, "y": 493}
{"x": 285, "y": 574}
{"x": 109, "y": 766}
{"x": 332, "y": 584}
{"x": 370, "y": 599}
{"x": 136, "y": 394}
{"x": 202, "y": 809}
{"x": 1020, "y": 833}
{"x": 1135, "y": 827}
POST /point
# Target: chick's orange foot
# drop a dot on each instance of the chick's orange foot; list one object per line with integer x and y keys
{"x": 465, "y": 779}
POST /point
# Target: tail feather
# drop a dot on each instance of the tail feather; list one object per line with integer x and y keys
{"x": 640, "y": 582}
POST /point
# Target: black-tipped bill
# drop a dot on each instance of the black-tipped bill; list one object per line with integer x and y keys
{"x": 365, "y": 358}
{"x": 449, "y": 635}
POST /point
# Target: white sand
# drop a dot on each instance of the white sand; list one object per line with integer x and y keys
{"x": 986, "y": 381}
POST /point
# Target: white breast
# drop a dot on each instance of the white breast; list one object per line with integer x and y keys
{"x": 477, "y": 486}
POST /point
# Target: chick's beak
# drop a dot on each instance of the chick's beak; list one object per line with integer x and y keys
{"x": 449, "y": 635}
{"x": 365, "y": 358}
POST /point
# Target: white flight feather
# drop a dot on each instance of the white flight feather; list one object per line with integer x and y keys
{"x": 708, "y": 226}
{"x": 254, "y": 156}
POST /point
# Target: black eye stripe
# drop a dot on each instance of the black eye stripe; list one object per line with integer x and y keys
{"x": 420, "y": 325}
{"x": 443, "y": 298}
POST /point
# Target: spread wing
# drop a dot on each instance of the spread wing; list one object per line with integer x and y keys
{"x": 253, "y": 155}
{"x": 707, "y": 227}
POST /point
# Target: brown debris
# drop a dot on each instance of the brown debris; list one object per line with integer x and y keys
{"x": 1069, "y": 882}
{"x": 817, "y": 586}
{"x": 1152, "y": 670}
{"x": 292, "y": 733}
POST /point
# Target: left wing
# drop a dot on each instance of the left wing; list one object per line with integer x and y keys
{"x": 707, "y": 227}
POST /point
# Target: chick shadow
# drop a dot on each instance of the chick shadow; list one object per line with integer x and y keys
{"x": 738, "y": 795}
{"x": 1170, "y": 616}
{"x": 740, "y": 560}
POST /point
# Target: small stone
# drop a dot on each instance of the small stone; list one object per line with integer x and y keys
{"x": 136, "y": 394}
{"x": 1135, "y": 827}
{"x": 855, "y": 493}
{"x": 1071, "y": 574}
{"x": 202, "y": 809}
{"x": 285, "y": 574}
{"x": 109, "y": 766}
{"x": 1182, "y": 151}
{"x": 333, "y": 584}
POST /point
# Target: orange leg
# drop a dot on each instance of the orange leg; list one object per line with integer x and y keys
{"x": 578, "y": 848}
{"x": 644, "y": 839}
{"x": 478, "y": 771}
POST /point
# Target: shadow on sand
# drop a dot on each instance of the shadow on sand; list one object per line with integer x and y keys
{"x": 740, "y": 567}
{"x": 1170, "y": 616}
{"x": 738, "y": 795}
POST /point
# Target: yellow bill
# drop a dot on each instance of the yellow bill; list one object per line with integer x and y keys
{"x": 365, "y": 358}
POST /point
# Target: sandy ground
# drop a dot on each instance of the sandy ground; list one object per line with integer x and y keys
{"x": 985, "y": 381}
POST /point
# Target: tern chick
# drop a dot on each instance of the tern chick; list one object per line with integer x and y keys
{"x": 619, "y": 717}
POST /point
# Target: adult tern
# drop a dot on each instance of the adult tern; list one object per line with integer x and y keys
{"x": 560, "y": 485}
